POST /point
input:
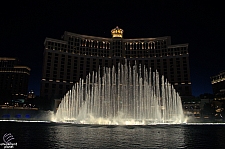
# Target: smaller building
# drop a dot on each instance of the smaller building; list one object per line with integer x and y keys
{"x": 191, "y": 107}
{"x": 205, "y": 102}
{"x": 218, "y": 86}
{"x": 31, "y": 95}
{"x": 14, "y": 80}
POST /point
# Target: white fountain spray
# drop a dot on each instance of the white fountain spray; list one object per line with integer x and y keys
{"x": 121, "y": 96}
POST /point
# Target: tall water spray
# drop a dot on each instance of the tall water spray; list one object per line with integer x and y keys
{"x": 123, "y": 95}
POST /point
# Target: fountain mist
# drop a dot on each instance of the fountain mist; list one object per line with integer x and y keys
{"x": 123, "y": 95}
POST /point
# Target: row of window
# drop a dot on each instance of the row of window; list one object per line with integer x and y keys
{"x": 144, "y": 44}
{"x": 118, "y": 51}
{"x": 6, "y": 63}
{"x": 122, "y": 53}
{"x": 56, "y": 88}
{"x": 80, "y": 46}
{"x": 56, "y": 60}
{"x": 75, "y": 74}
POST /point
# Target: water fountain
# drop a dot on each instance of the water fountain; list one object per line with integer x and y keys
{"x": 123, "y": 95}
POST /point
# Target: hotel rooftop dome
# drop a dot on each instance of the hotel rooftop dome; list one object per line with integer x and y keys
{"x": 117, "y": 32}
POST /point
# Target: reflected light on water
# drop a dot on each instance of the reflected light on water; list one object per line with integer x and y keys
{"x": 64, "y": 135}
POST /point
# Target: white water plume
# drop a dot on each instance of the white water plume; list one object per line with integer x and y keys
{"x": 121, "y": 96}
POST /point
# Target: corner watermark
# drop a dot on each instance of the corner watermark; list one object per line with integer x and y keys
{"x": 7, "y": 138}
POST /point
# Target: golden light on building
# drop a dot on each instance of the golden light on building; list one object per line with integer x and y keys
{"x": 117, "y": 32}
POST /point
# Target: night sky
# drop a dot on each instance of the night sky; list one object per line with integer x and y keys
{"x": 25, "y": 25}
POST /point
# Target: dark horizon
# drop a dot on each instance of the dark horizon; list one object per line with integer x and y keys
{"x": 25, "y": 27}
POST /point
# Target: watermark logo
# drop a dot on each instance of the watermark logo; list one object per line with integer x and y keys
{"x": 7, "y": 138}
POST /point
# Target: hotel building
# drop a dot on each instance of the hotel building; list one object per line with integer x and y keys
{"x": 218, "y": 86}
{"x": 14, "y": 79}
{"x": 74, "y": 56}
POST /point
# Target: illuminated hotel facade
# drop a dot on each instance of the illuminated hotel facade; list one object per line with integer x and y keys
{"x": 73, "y": 57}
{"x": 14, "y": 79}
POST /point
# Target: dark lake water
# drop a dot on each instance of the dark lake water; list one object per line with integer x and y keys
{"x": 55, "y": 135}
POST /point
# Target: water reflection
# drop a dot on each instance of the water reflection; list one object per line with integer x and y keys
{"x": 211, "y": 136}
{"x": 53, "y": 135}
{"x": 119, "y": 136}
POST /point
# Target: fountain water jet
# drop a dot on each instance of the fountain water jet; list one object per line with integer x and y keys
{"x": 124, "y": 95}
